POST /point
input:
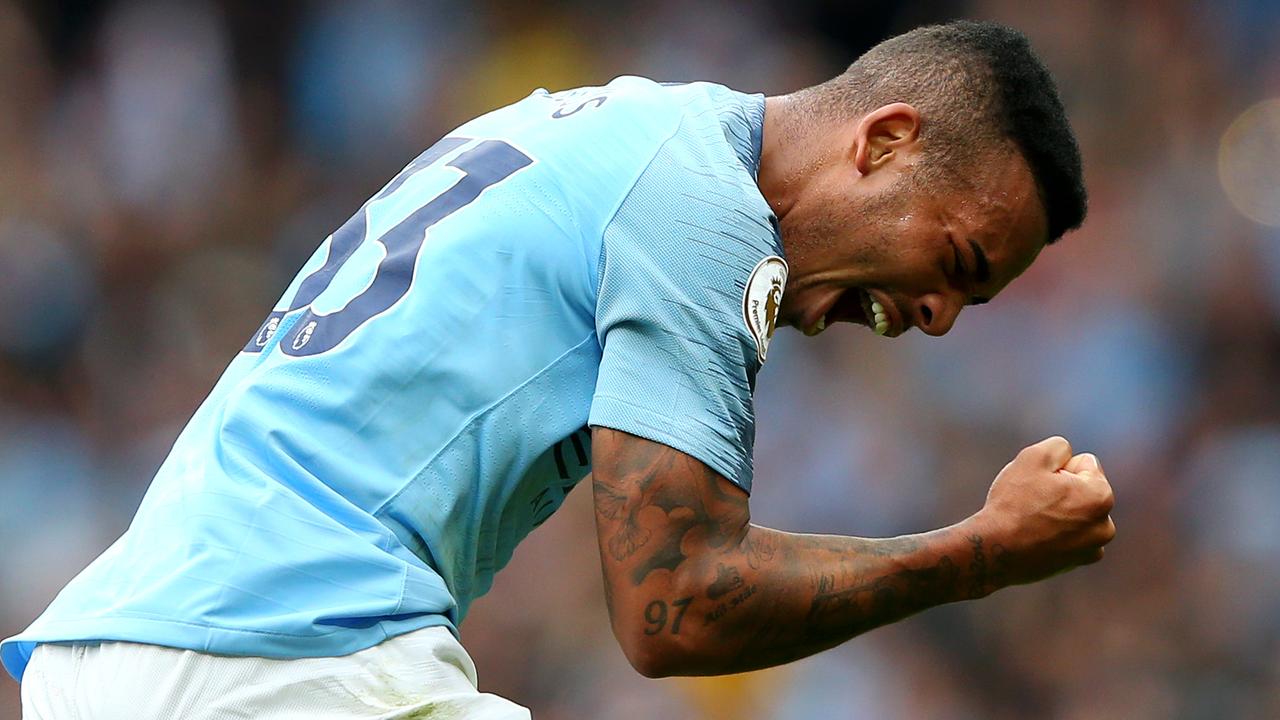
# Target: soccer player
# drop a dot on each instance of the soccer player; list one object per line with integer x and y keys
{"x": 583, "y": 282}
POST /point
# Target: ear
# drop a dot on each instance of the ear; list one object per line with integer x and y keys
{"x": 884, "y": 135}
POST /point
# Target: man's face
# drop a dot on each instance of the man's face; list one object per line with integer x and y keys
{"x": 921, "y": 254}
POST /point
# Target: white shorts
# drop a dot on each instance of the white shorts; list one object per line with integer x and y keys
{"x": 422, "y": 674}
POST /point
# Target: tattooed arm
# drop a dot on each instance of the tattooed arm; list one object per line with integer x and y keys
{"x": 695, "y": 589}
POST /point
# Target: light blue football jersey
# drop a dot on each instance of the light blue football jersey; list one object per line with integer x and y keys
{"x": 419, "y": 399}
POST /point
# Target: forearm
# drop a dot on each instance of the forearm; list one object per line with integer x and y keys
{"x": 694, "y": 589}
{"x": 774, "y": 597}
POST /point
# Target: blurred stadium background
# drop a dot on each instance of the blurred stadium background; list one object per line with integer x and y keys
{"x": 165, "y": 167}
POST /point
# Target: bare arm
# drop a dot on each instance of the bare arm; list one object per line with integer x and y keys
{"x": 695, "y": 589}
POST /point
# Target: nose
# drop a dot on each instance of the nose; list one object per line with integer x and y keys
{"x": 936, "y": 313}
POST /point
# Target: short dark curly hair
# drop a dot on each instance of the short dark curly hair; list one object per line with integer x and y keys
{"x": 976, "y": 84}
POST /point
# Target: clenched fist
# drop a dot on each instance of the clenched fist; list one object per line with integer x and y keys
{"x": 1047, "y": 512}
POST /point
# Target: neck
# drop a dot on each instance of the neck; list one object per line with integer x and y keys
{"x": 782, "y": 173}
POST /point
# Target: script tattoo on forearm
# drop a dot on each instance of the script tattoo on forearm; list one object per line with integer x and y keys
{"x": 984, "y": 573}
{"x": 978, "y": 567}
{"x": 728, "y": 592}
{"x": 730, "y": 603}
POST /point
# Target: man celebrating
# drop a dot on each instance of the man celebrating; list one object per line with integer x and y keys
{"x": 583, "y": 282}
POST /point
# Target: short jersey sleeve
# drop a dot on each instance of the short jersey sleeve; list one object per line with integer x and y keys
{"x": 690, "y": 278}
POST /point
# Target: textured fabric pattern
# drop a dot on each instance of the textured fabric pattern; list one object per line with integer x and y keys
{"x": 424, "y": 674}
{"x": 416, "y": 402}
{"x": 679, "y": 363}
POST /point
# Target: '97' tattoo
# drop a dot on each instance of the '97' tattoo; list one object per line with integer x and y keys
{"x": 655, "y": 614}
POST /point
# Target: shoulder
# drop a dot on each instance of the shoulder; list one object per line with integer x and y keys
{"x": 628, "y": 115}
{"x": 696, "y": 191}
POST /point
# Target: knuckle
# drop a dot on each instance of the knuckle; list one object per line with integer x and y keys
{"x": 1108, "y": 532}
{"x": 1108, "y": 502}
{"x": 1096, "y": 495}
{"x": 1106, "y": 497}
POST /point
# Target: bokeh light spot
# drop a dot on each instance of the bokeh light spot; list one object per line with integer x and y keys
{"x": 1249, "y": 162}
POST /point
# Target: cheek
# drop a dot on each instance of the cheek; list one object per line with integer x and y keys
{"x": 816, "y": 232}
{"x": 898, "y": 238}
{"x": 915, "y": 265}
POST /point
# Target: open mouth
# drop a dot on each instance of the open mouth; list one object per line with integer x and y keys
{"x": 853, "y": 305}
{"x": 856, "y": 305}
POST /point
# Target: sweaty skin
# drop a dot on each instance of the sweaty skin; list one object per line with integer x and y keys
{"x": 860, "y": 219}
{"x": 694, "y": 588}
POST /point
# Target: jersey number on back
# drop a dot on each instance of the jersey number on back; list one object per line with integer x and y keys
{"x": 487, "y": 164}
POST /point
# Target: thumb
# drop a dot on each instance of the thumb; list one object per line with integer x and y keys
{"x": 1082, "y": 463}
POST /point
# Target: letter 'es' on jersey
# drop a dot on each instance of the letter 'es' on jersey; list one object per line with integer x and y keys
{"x": 761, "y": 299}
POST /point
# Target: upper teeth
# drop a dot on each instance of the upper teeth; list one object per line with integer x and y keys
{"x": 817, "y": 327}
{"x": 881, "y": 320}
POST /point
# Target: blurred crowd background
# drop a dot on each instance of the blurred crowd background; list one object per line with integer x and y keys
{"x": 166, "y": 167}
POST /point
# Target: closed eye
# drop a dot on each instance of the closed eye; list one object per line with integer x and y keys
{"x": 962, "y": 271}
